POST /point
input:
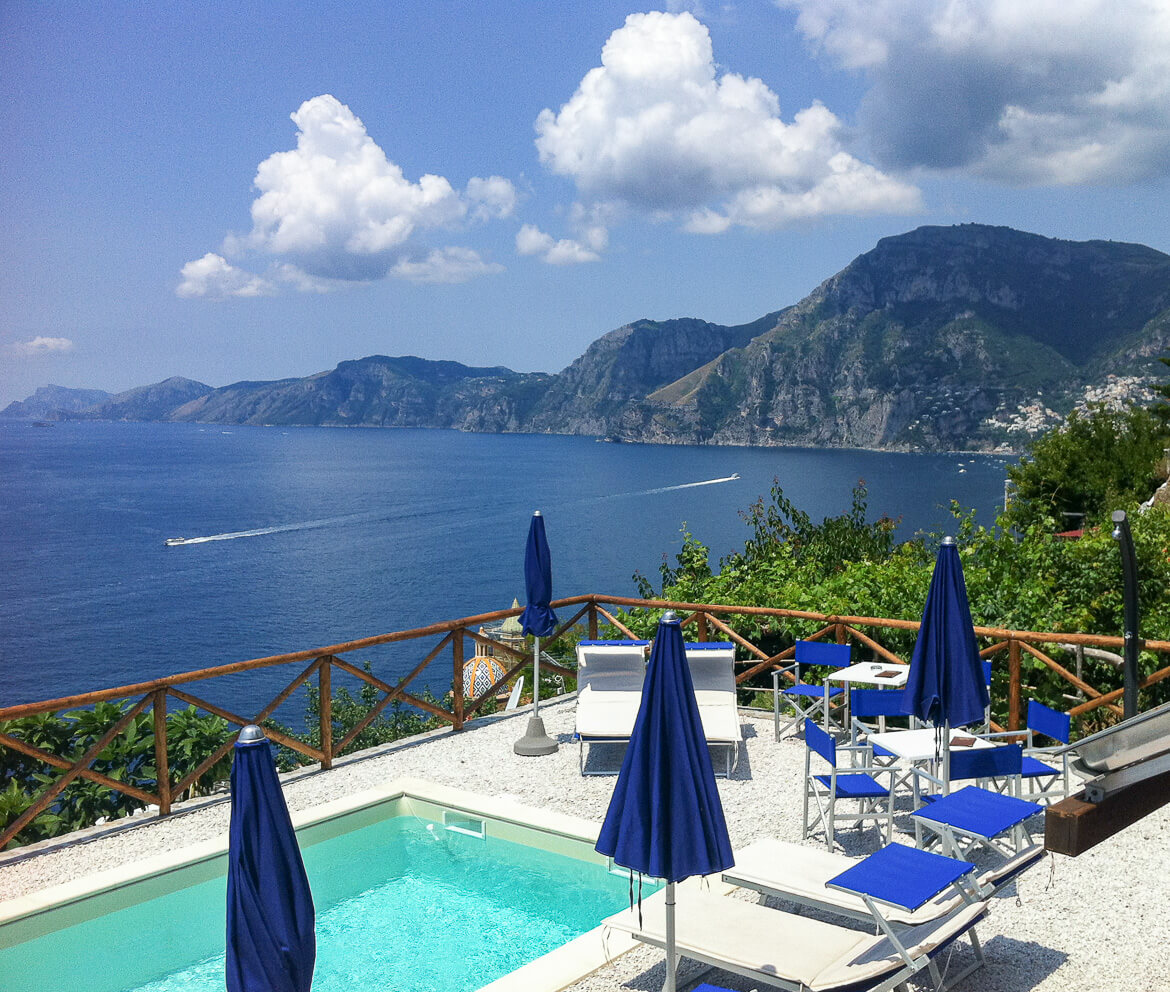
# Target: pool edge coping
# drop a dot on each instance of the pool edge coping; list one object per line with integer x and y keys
{"x": 551, "y": 972}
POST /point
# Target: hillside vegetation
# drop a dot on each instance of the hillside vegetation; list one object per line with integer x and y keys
{"x": 944, "y": 338}
{"x": 1019, "y": 575}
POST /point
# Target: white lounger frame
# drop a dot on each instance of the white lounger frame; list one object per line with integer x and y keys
{"x": 713, "y": 675}
{"x": 609, "y": 692}
{"x": 799, "y": 953}
{"x": 761, "y": 867}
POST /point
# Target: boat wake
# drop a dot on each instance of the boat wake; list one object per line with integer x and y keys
{"x": 670, "y": 489}
{"x": 172, "y": 542}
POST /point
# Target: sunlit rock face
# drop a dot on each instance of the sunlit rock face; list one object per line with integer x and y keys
{"x": 945, "y": 338}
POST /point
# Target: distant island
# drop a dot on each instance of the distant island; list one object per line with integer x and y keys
{"x": 945, "y": 338}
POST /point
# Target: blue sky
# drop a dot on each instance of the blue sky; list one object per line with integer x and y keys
{"x": 243, "y": 191}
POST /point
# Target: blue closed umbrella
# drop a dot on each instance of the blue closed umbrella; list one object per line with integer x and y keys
{"x": 665, "y": 818}
{"x": 271, "y": 943}
{"x": 539, "y": 620}
{"x": 946, "y": 685}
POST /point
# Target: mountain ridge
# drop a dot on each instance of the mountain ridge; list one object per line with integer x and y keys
{"x": 941, "y": 338}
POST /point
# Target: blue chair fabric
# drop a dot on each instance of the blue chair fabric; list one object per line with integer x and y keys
{"x": 904, "y": 876}
{"x": 1044, "y": 781}
{"x": 999, "y": 766}
{"x": 989, "y": 762}
{"x": 853, "y": 783}
{"x": 981, "y": 812}
{"x": 866, "y": 704}
{"x": 807, "y": 698}
{"x": 974, "y": 816}
{"x": 1049, "y": 722}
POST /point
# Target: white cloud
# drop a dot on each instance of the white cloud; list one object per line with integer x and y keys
{"x": 214, "y": 277}
{"x": 491, "y": 198}
{"x": 1037, "y": 92}
{"x": 657, "y": 129}
{"x": 530, "y": 240}
{"x": 445, "y": 265}
{"x": 289, "y": 275}
{"x": 336, "y": 210}
{"x": 42, "y": 346}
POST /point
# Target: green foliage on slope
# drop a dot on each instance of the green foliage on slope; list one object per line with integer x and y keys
{"x": 1016, "y": 579}
{"x": 1095, "y": 463}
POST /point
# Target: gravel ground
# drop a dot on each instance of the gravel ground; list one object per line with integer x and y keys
{"x": 1089, "y": 924}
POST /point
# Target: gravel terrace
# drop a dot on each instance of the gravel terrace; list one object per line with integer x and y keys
{"x": 1090, "y": 924}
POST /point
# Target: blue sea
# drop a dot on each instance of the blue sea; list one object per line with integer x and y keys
{"x": 304, "y": 537}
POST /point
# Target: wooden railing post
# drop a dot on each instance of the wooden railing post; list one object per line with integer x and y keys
{"x": 594, "y": 610}
{"x": 457, "y": 687}
{"x": 1014, "y": 684}
{"x": 161, "y": 764}
{"x": 325, "y": 687}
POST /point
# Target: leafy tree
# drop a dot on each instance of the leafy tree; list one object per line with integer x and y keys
{"x": 1096, "y": 462}
{"x": 192, "y": 738}
{"x": 779, "y": 527}
{"x": 1023, "y": 580}
{"x": 347, "y": 711}
{"x": 1161, "y": 407}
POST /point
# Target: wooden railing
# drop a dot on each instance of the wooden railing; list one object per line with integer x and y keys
{"x": 707, "y": 622}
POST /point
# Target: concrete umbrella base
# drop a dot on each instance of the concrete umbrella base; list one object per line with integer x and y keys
{"x": 535, "y": 741}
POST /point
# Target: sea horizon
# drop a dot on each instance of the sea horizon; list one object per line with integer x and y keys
{"x": 296, "y": 539}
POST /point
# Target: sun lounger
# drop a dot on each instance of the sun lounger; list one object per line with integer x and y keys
{"x": 609, "y": 690}
{"x": 799, "y": 875}
{"x": 712, "y": 665}
{"x": 796, "y": 952}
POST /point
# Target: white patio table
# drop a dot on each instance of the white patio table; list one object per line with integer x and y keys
{"x": 877, "y": 673}
{"x": 916, "y": 747}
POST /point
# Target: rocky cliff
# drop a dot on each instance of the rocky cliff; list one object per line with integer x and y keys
{"x": 621, "y": 368}
{"x": 942, "y": 338}
{"x": 154, "y": 402}
{"x": 933, "y": 340}
{"x": 379, "y": 392}
{"x": 50, "y": 401}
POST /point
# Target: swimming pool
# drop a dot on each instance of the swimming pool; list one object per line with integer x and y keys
{"x": 413, "y": 892}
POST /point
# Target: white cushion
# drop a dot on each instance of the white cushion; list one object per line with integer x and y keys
{"x": 607, "y": 714}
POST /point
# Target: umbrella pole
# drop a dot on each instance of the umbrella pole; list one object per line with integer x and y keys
{"x": 536, "y": 677}
{"x": 535, "y": 741}
{"x": 671, "y": 959}
{"x": 946, "y": 758}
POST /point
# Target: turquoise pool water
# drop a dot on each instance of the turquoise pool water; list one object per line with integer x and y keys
{"x": 399, "y": 906}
